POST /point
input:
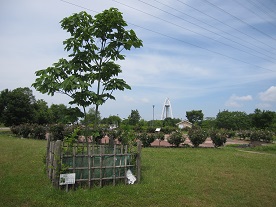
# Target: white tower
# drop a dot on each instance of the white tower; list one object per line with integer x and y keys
{"x": 167, "y": 110}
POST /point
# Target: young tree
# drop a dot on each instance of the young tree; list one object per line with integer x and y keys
{"x": 176, "y": 138}
{"x": 197, "y": 135}
{"x": 218, "y": 137}
{"x": 134, "y": 117}
{"x": 195, "y": 116}
{"x": 94, "y": 45}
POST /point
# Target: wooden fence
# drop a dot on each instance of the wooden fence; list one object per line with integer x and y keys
{"x": 94, "y": 165}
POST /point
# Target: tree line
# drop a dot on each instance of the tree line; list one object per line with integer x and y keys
{"x": 20, "y": 106}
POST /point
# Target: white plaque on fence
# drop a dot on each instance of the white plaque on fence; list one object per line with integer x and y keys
{"x": 66, "y": 179}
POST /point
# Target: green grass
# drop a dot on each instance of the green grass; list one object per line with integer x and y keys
{"x": 170, "y": 177}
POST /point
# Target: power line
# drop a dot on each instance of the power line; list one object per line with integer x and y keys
{"x": 80, "y": 6}
{"x": 246, "y": 52}
{"x": 208, "y": 29}
{"x": 173, "y": 38}
{"x": 240, "y": 20}
{"x": 224, "y": 23}
{"x": 263, "y": 6}
{"x": 203, "y": 48}
{"x": 253, "y": 12}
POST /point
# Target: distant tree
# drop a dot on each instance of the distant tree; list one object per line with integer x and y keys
{"x": 170, "y": 122}
{"x": 263, "y": 119}
{"x": 208, "y": 123}
{"x": 3, "y": 103}
{"x": 113, "y": 120}
{"x": 95, "y": 44}
{"x": 17, "y": 106}
{"x": 90, "y": 117}
{"x": 195, "y": 116}
{"x": 73, "y": 114}
{"x": 134, "y": 117}
{"x": 233, "y": 120}
{"x": 143, "y": 123}
{"x": 156, "y": 123}
{"x": 57, "y": 113}
{"x": 41, "y": 112}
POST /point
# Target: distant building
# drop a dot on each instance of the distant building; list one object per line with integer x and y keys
{"x": 167, "y": 110}
{"x": 184, "y": 124}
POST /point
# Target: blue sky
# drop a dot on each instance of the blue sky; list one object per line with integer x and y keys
{"x": 207, "y": 55}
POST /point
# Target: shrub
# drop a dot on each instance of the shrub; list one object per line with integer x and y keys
{"x": 146, "y": 139}
{"x": 176, "y": 138}
{"x": 38, "y": 131}
{"x": 197, "y": 136}
{"x": 57, "y": 131}
{"x": 230, "y": 133}
{"x": 168, "y": 129}
{"x": 160, "y": 136}
{"x": 244, "y": 134}
{"x": 15, "y": 129}
{"x": 151, "y": 129}
{"x": 261, "y": 135}
{"x": 218, "y": 137}
{"x": 127, "y": 137}
{"x": 25, "y": 130}
{"x": 69, "y": 129}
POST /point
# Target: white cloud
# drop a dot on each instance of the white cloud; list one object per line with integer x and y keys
{"x": 269, "y": 95}
{"x": 264, "y": 106}
{"x": 145, "y": 100}
{"x": 128, "y": 99}
{"x": 237, "y": 101}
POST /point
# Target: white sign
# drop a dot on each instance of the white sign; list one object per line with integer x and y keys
{"x": 130, "y": 177}
{"x": 66, "y": 179}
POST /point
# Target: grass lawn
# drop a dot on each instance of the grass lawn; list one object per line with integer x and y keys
{"x": 170, "y": 177}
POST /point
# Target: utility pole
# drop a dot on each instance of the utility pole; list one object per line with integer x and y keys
{"x": 152, "y": 115}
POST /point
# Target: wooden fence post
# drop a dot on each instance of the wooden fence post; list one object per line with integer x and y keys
{"x": 57, "y": 163}
{"x": 138, "y": 161}
{"x": 47, "y": 154}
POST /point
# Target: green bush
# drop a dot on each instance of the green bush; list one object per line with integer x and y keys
{"x": 57, "y": 131}
{"x": 230, "y": 133}
{"x": 244, "y": 134}
{"x": 151, "y": 129}
{"x": 69, "y": 129}
{"x": 197, "y": 136}
{"x": 15, "y": 129}
{"x": 176, "y": 138}
{"x": 218, "y": 137}
{"x": 127, "y": 137}
{"x": 38, "y": 131}
{"x": 146, "y": 139}
{"x": 261, "y": 135}
{"x": 168, "y": 129}
{"x": 160, "y": 136}
{"x": 25, "y": 130}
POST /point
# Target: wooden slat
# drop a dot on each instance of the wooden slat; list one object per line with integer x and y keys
{"x": 104, "y": 152}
